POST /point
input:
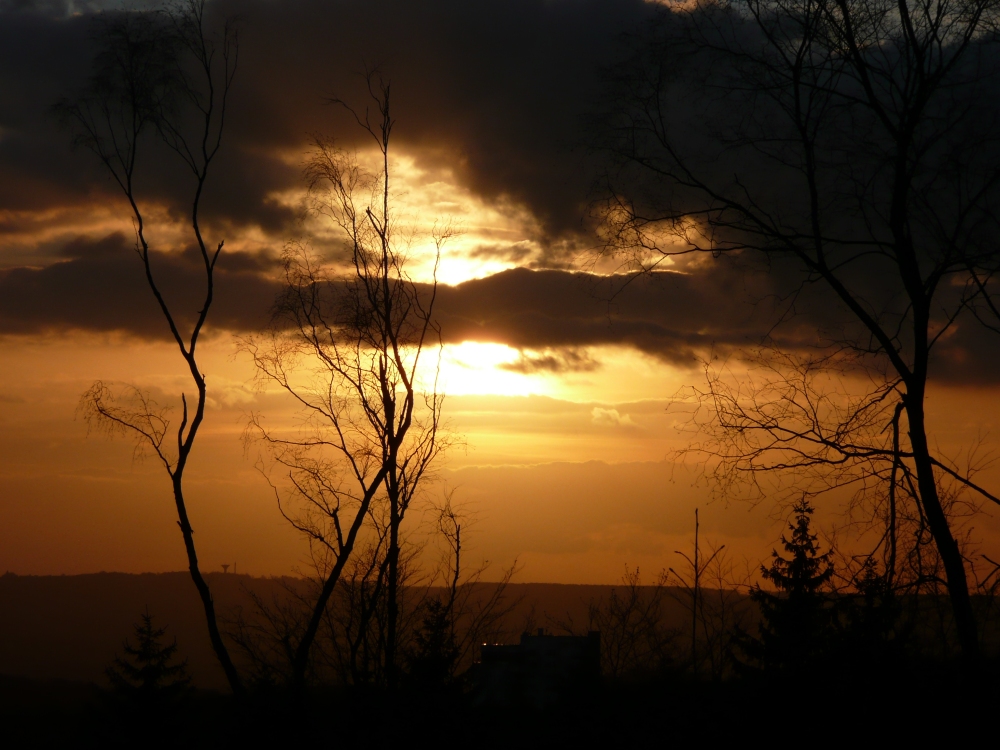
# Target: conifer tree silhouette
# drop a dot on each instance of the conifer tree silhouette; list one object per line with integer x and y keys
{"x": 795, "y": 620}
{"x": 874, "y": 631}
{"x": 147, "y": 672}
{"x": 433, "y": 660}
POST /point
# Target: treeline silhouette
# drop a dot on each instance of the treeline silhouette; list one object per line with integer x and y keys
{"x": 672, "y": 656}
{"x": 806, "y": 610}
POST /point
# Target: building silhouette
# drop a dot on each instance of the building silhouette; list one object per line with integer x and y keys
{"x": 540, "y": 671}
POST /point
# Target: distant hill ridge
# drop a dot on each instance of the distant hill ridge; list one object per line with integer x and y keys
{"x": 70, "y": 627}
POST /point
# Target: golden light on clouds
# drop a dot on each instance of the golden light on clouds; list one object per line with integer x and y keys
{"x": 27, "y": 232}
{"x": 428, "y": 200}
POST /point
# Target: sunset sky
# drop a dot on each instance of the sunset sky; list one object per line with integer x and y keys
{"x": 565, "y": 378}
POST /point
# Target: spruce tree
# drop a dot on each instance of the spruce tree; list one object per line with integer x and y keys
{"x": 433, "y": 660}
{"x": 795, "y": 620}
{"x": 146, "y": 673}
{"x": 873, "y": 632}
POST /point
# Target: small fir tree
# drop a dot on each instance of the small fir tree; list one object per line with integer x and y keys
{"x": 795, "y": 619}
{"x": 873, "y": 633}
{"x": 147, "y": 673}
{"x": 433, "y": 660}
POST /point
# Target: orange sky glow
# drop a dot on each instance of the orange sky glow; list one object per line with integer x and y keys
{"x": 569, "y": 432}
{"x": 573, "y": 475}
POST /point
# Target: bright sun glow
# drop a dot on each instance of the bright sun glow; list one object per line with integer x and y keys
{"x": 472, "y": 368}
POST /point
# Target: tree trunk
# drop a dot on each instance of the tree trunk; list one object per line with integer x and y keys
{"x": 951, "y": 556}
{"x": 393, "y": 592}
{"x": 221, "y": 652}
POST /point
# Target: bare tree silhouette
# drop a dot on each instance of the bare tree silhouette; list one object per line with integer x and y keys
{"x": 161, "y": 75}
{"x": 693, "y": 586}
{"x": 634, "y": 637}
{"x": 853, "y": 147}
{"x": 475, "y": 612}
{"x": 443, "y": 615}
{"x": 348, "y": 348}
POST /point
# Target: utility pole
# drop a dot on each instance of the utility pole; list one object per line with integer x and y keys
{"x": 694, "y": 608}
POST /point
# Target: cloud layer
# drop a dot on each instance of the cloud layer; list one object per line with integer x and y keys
{"x": 553, "y": 316}
{"x": 495, "y": 90}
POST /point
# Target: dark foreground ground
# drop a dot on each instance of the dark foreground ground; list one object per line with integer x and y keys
{"x": 934, "y": 706}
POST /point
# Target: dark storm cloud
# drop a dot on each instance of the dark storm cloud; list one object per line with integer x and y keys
{"x": 669, "y": 315}
{"x": 680, "y": 318}
{"x": 517, "y": 252}
{"x": 100, "y": 287}
{"x": 561, "y": 360}
{"x": 552, "y": 316}
{"x": 970, "y": 355}
{"x": 45, "y": 57}
{"x": 41, "y": 60}
{"x": 494, "y": 89}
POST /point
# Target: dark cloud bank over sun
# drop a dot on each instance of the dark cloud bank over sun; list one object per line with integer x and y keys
{"x": 495, "y": 90}
{"x": 99, "y": 286}
{"x": 676, "y": 317}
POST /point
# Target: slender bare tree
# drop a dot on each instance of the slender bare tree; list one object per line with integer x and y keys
{"x": 460, "y": 611}
{"x": 635, "y": 635}
{"x": 853, "y": 145}
{"x": 477, "y": 611}
{"x": 350, "y": 347}
{"x": 714, "y": 595}
{"x": 161, "y": 75}
{"x": 698, "y": 567}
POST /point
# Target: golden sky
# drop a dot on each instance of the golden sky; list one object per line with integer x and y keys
{"x": 562, "y": 377}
